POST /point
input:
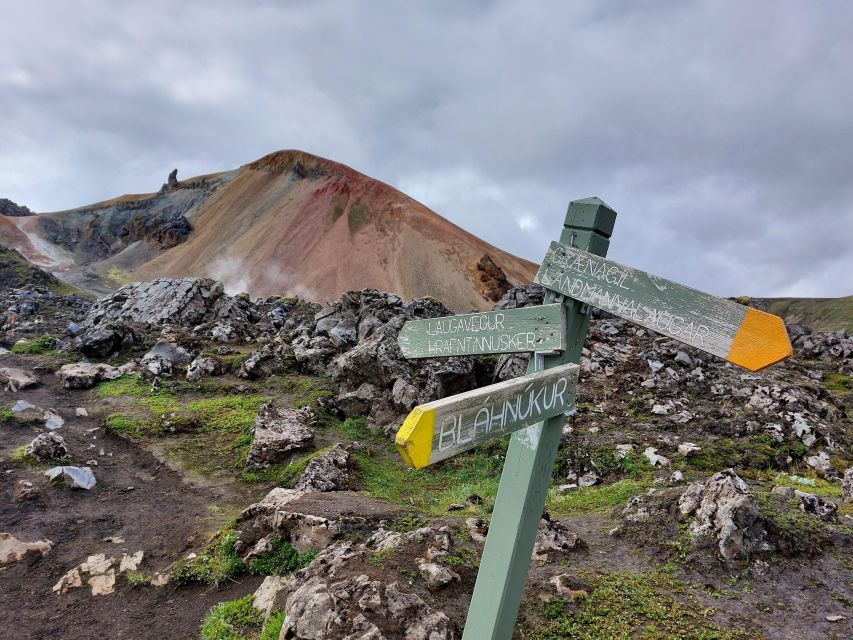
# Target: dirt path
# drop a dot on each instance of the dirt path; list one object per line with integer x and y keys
{"x": 160, "y": 514}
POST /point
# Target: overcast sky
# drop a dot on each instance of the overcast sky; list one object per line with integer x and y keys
{"x": 721, "y": 132}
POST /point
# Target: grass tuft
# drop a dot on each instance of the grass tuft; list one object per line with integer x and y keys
{"x": 42, "y": 345}
{"x": 233, "y": 620}
{"x": 596, "y": 498}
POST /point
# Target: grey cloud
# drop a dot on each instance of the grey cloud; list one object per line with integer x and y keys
{"x": 720, "y": 131}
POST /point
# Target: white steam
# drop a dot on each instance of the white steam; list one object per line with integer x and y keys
{"x": 268, "y": 279}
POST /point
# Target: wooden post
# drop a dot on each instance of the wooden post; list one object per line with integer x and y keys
{"x": 530, "y": 458}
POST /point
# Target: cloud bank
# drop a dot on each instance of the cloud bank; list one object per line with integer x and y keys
{"x": 721, "y": 132}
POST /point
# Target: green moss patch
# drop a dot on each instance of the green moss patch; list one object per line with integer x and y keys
{"x": 758, "y": 453}
{"x": 839, "y": 382}
{"x": 42, "y": 345}
{"x": 283, "y": 559}
{"x": 625, "y": 606}
{"x": 595, "y": 498}
{"x": 233, "y": 620}
{"x": 433, "y": 489}
{"x": 228, "y": 413}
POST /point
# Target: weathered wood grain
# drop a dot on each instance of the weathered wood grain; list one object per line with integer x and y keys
{"x": 744, "y": 336}
{"x": 507, "y": 331}
{"x": 443, "y": 428}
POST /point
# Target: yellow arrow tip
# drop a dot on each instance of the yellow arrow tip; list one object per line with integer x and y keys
{"x": 414, "y": 439}
{"x": 760, "y": 341}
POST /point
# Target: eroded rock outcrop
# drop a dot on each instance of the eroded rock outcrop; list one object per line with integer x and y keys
{"x": 279, "y": 431}
{"x": 329, "y": 471}
{"x": 85, "y": 375}
{"x": 14, "y": 550}
{"x": 185, "y": 302}
{"x": 331, "y": 599}
{"x": 47, "y": 447}
{"x": 724, "y": 508}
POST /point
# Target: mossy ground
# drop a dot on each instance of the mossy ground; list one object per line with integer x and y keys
{"x": 218, "y": 561}
{"x": 627, "y": 606}
{"x": 43, "y": 345}
{"x": 233, "y": 620}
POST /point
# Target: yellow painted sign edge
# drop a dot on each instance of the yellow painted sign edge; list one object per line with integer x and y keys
{"x": 414, "y": 439}
{"x": 751, "y": 348}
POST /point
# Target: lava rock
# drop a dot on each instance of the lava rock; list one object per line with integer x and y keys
{"x": 329, "y": 471}
{"x": 47, "y": 447}
{"x": 727, "y": 510}
{"x": 278, "y": 431}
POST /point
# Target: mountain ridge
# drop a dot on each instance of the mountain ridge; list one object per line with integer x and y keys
{"x": 287, "y": 223}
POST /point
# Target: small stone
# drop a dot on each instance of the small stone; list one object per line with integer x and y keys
{"x": 589, "y": 479}
{"x": 676, "y": 476}
{"x": 14, "y": 550}
{"x": 17, "y": 379}
{"x": 81, "y": 412}
{"x": 847, "y": 486}
{"x": 70, "y": 580}
{"x": 279, "y": 431}
{"x": 53, "y": 420}
{"x": 655, "y": 365}
{"x": 835, "y": 618}
{"x": 47, "y": 447}
{"x": 160, "y": 580}
{"x": 683, "y": 359}
{"x": 820, "y": 463}
{"x": 130, "y": 562}
{"x": 622, "y": 450}
{"x": 654, "y": 459}
{"x": 783, "y": 493}
{"x": 456, "y": 506}
{"x": 688, "y": 449}
{"x": 22, "y": 405}
{"x": 74, "y": 477}
{"x": 435, "y": 575}
{"x": 25, "y": 490}
{"x": 660, "y": 410}
{"x": 477, "y": 529}
{"x": 565, "y": 488}
{"x": 103, "y": 584}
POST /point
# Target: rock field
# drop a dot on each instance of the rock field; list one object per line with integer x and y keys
{"x": 177, "y": 462}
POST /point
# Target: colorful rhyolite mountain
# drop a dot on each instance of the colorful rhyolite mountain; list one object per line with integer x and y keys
{"x": 289, "y": 223}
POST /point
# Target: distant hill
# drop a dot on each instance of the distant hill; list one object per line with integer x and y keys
{"x": 16, "y": 272}
{"x": 820, "y": 314}
{"x": 289, "y": 223}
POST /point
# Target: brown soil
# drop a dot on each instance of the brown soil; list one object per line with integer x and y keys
{"x": 161, "y": 515}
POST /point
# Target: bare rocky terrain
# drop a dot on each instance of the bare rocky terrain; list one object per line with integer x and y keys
{"x": 246, "y": 484}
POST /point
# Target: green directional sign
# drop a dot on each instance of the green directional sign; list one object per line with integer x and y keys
{"x": 443, "y": 428}
{"x": 507, "y": 331}
{"x": 742, "y": 335}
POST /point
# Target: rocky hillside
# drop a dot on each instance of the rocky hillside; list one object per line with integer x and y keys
{"x": 290, "y": 222}
{"x": 16, "y": 272}
{"x": 233, "y": 464}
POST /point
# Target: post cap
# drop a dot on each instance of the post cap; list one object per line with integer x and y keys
{"x": 591, "y": 213}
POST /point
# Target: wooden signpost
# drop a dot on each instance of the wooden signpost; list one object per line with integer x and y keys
{"x": 507, "y": 331}
{"x": 740, "y": 334}
{"x": 575, "y": 274}
{"x": 443, "y": 428}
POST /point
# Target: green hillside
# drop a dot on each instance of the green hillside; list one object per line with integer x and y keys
{"x": 821, "y": 314}
{"x": 16, "y": 272}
